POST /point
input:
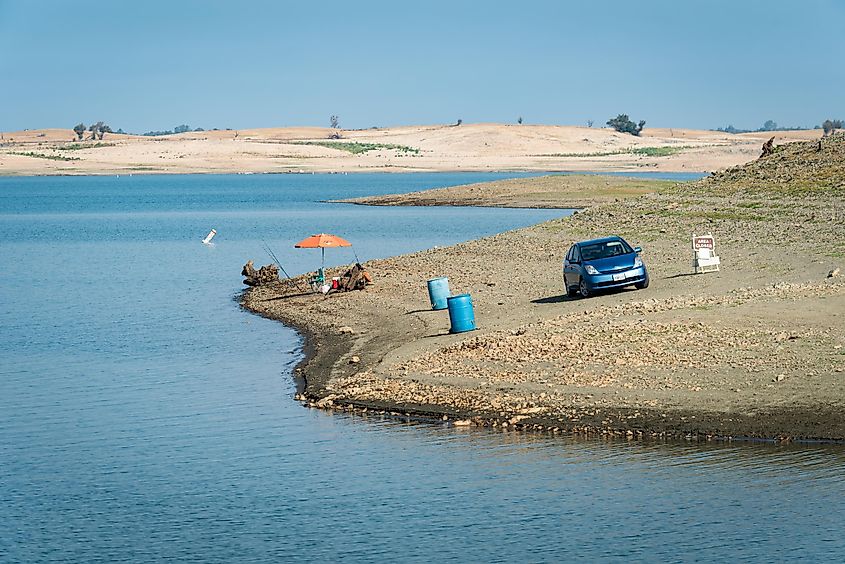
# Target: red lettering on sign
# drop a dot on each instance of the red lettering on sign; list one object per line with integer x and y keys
{"x": 703, "y": 243}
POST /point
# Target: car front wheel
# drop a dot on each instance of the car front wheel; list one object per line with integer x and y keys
{"x": 642, "y": 285}
{"x": 583, "y": 289}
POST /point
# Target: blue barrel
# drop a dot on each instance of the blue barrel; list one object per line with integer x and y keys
{"x": 461, "y": 315}
{"x": 438, "y": 291}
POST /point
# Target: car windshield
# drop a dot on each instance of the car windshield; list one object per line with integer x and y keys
{"x": 606, "y": 249}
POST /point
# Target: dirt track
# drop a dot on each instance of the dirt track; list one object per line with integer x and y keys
{"x": 754, "y": 350}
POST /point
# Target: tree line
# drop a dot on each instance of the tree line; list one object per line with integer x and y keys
{"x": 829, "y": 126}
{"x": 99, "y": 129}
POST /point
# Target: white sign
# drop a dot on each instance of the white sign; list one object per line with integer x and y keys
{"x": 704, "y": 257}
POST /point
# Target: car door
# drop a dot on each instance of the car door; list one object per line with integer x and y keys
{"x": 569, "y": 279}
{"x": 575, "y": 273}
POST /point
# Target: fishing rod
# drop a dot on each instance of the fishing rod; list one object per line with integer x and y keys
{"x": 273, "y": 256}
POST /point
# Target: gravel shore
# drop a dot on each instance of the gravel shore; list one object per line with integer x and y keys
{"x": 755, "y": 350}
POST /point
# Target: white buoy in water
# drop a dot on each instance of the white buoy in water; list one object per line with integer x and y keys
{"x": 209, "y": 237}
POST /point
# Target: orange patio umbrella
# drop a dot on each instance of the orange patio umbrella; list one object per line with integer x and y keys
{"x": 322, "y": 241}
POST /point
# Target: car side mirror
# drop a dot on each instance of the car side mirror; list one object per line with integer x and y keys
{"x": 638, "y": 250}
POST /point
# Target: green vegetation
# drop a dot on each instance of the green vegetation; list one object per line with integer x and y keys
{"x": 623, "y": 124}
{"x": 358, "y": 148}
{"x": 645, "y": 151}
{"x": 80, "y": 146}
{"x": 658, "y": 151}
{"x": 44, "y": 156}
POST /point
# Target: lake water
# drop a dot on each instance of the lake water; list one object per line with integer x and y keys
{"x": 144, "y": 416}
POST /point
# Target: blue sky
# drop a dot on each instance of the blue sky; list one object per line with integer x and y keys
{"x": 156, "y": 64}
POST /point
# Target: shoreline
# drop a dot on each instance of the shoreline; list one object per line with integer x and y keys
{"x": 627, "y": 172}
{"x": 774, "y": 374}
{"x": 312, "y": 380}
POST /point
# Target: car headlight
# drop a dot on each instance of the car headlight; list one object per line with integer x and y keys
{"x": 638, "y": 262}
{"x": 591, "y": 269}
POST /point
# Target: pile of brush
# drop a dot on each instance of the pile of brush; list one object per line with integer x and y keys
{"x": 267, "y": 274}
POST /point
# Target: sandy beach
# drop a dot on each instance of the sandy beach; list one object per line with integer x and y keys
{"x": 755, "y": 350}
{"x": 468, "y": 147}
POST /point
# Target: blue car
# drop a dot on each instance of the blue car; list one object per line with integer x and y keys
{"x": 602, "y": 264}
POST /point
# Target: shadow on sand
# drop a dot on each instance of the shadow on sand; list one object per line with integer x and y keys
{"x": 555, "y": 299}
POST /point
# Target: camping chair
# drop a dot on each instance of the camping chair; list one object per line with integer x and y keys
{"x": 317, "y": 280}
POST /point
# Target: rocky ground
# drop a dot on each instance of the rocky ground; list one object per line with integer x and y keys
{"x": 755, "y": 350}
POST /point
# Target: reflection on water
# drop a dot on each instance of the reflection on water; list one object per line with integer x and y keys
{"x": 143, "y": 416}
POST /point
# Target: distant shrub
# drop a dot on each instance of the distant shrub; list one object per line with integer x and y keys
{"x": 623, "y": 124}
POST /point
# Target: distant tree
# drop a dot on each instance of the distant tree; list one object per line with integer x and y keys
{"x": 623, "y": 124}
{"x": 589, "y": 123}
{"x": 770, "y": 125}
{"x": 334, "y": 122}
{"x": 181, "y": 128}
{"x": 102, "y": 130}
{"x": 831, "y": 125}
{"x": 79, "y": 129}
{"x": 199, "y": 129}
{"x": 94, "y": 128}
{"x": 827, "y": 126}
{"x": 459, "y": 122}
{"x": 519, "y": 120}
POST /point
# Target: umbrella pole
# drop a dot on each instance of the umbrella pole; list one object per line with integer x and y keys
{"x": 323, "y": 259}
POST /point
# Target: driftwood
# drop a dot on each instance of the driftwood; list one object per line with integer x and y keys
{"x": 768, "y": 147}
{"x": 267, "y": 274}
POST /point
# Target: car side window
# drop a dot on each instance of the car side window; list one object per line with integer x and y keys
{"x": 576, "y": 255}
{"x": 569, "y": 254}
